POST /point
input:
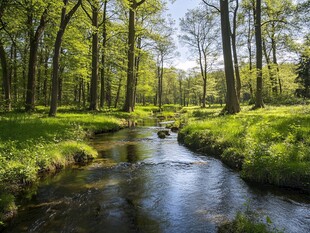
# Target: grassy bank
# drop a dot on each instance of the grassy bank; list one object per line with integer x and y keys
{"x": 31, "y": 145}
{"x": 245, "y": 223}
{"x": 270, "y": 145}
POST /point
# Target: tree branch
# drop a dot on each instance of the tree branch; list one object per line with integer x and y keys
{"x": 210, "y": 5}
{"x": 274, "y": 20}
{"x": 72, "y": 11}
{"x": 88, "y": 15}
{"x": 140, "y": 3}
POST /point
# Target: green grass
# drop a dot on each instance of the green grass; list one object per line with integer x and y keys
{"x": 243, "y": 223}
{"x": 270, "y": 145}
{"x": 32, "y": 144}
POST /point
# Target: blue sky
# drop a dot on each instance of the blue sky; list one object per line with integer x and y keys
{"x": 177, "y": 10}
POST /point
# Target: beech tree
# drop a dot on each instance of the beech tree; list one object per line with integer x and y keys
{"x": 34, "y": 37}
{"x": 232, "y": 102}
{"x": 259, "y": 57}
{"x": 65, "y": 19}
{"x": 4, "y": 64}
{"x": 129, "y": 100}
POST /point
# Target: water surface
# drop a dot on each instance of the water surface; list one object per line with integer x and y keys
{"x": 147, "y": 184}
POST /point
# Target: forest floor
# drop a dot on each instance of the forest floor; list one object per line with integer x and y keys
{"x": 32, "y": 145}
{"x": 270, "y": 145}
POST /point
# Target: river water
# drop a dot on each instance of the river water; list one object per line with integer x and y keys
{"x": 147, "y": 184}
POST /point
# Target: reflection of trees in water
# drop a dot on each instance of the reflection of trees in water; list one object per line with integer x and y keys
{"x": 132, "y": 147}
{"x": 132, "y": 151}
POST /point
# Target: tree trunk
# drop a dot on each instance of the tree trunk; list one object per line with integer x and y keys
{"x": 232, "y": 103}
{"x": 104, "y": 44}
{"x": 5, "y": 79}
{"x": 60, "y": 85}
{"x": 39, "y": 80}
{"x": 137, "y": 66}
{"x": 118, "y": 92}
{"x": 45, "y": 94}
{"x": 204, "y": 93}
{"x": 275, "y": 62}
{"x": 203, "y": 74}
{"x": 259, "y": 57}
{"x": 15, "y": 77}
{"x": 234, "y": 51}
{"x": 271, "y": 74}
{"x": 129, "y": 103}
{"x": 65, "y": 19}
{"x": 33, "y": 57}
{"x": 95, "y": 54}
{"x": 55, "y": 78}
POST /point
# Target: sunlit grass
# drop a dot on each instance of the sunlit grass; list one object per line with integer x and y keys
{"x": 272, "y": 145}
{"x": 31, "y": 144}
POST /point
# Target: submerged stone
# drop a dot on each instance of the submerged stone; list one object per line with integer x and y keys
{"x": 163, "y": 133}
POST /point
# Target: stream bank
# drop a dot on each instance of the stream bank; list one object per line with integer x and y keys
{"x": 142, "y": 183}
{"x": 269, "y": 146}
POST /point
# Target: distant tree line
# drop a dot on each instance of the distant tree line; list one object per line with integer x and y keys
{"x": 96, "y": 54}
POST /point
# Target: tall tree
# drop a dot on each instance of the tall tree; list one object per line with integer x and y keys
{"x": 259, "y": 57}
{"x": 129, "y": 100}
{"x": 232, "y": 102}
{"x": 65, "y": 19}
{"x": 34, "y": 37}
{"x": 4, "y": 65}
{"x": 95, "y": 7}
{"x": 103, "y": 53}
{"x": 234, "y": 49}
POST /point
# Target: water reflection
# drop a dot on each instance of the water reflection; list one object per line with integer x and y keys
{"x": 155, "y": 186}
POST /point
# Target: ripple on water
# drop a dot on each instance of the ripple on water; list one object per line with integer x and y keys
{"x": 147, "y": 184}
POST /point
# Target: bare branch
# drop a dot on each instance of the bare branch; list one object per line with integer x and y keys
{"x": 274, "y": 20}
{"x": 210, "y": 5}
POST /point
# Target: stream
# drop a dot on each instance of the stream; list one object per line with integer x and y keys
{"x": 145, "y": 184}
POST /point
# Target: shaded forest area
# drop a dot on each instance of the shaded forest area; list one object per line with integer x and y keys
{"x": 95, "y": 54}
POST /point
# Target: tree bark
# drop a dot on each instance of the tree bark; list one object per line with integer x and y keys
{"x": 94, "y": 77}
{"x": 269, "y": 66}
{"x": 203, "y": 73}
{"x": 131, "y": 60}
{"x": 33, "y": 57}
{"x": 234, "y": 50}
{"x": 259, "y": 57}
{"x": 129, "y": 101}
{"x": 104, "y": 44}
{"x": 65, "y": 19}
{"x": 5, "y": 79}
{"x": 5, "y": 75}
{"x": 45, "y": 92}
{"x": 232, "y": 102}
{"x": 137, "y": 66}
